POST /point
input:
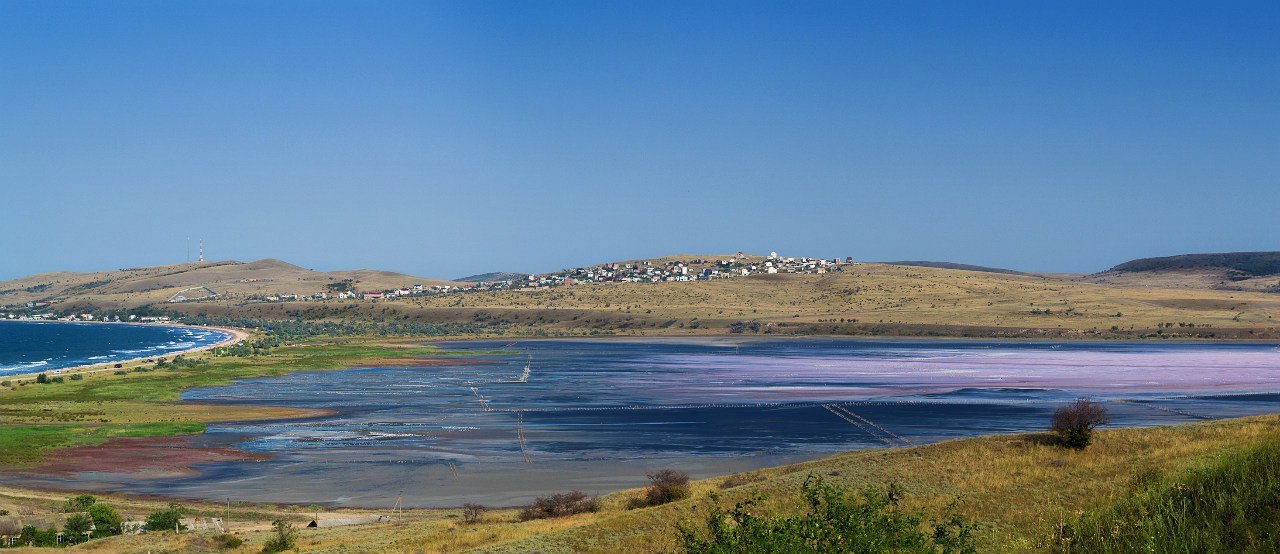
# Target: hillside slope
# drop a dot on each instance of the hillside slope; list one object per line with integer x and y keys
{"x": 231, "y": 280}
{"x": 1242, "y": 271}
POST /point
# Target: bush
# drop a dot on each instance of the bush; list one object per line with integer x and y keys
{"x": 471, "y": 512}
{"x": 166, "y": 520}
{"x": 35, "y": 537}
{"x": 1074, "y": 423}
{"x": 227, "y": 542}
{"x": 836, "y": 522}
{"x": 285, "y": 539}
{"x": 559, "y": 505}
{"x": 78, "y": 503}
{"x": 77, "y": 377}
{"x": 42, "y": 378}
{"x": 665, "y": 486}
{"x": 739, "y": 479}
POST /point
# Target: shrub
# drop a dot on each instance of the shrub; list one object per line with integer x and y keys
{"x": 227, "y": 542}
{"x": 665, "y": 486}
{"x": 471, "y": 512}
{"x": 5, "y": 383}
{"x": 737, "y": 480}
{"x": 835, "y": 522}
{"x": 35, "y": 537}
{"x": 57, "y": 379}
{"x": 166, "y": 520}
{"x": 286, "y": 537}
{"x": 120, "y": 372}
{"x": 42, "y": 378}
{"x": 559, "y": 505}
{"x": 1074, "y": 423}
{"x": 78, "y": 503}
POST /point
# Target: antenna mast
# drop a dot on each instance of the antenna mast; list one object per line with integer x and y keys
{"x": 201, "y": 250}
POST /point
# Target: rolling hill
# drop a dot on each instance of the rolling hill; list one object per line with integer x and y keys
{"x": 1237, "y": 271}
{"x": 952, "y": 265}
{"x": 230, "y": 280}
{"x": 493, "y": 277}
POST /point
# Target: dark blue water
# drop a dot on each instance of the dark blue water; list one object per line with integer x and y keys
{"x": 596, "y": 415}
{"x": 32, "y": 346}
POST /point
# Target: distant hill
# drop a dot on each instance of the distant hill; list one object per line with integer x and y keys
{"x": 493, "y": 277}
{"x": 1241, "y": 271}
{"x": 230, "y": 280}
{"x": 963, "y": 267}
{"x": 1256, "y": 264}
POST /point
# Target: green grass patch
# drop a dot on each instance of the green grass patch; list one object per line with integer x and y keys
{"x": 25, "y": 445}
{"x": 1231, "y": 505}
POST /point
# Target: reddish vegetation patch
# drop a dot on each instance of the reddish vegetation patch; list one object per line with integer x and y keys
{"x": 152, "y": 455}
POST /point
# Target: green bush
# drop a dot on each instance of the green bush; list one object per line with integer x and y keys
{"x": 227, "y": 542}
{"x": 77, "y": 377}
{"x": 42, "y": 378}
{"x": 285, "y": 538}
{"x": 166, "y": 520}
{"x": 35, "y": 537}
{"x": 836, "y": 521}
{"x": 1231, "y": 505}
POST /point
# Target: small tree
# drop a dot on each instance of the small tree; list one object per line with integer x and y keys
{"x": 285, "y": 539}
{"x": 76, "y": 526}
{"x": 42, "y": 378}
{"x": 471, "y": 512}
{"x": 1074, "y": 423}
{"x": 106, "y": 521}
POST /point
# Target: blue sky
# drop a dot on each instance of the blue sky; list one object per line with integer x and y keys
{"x": 443, "y": 139}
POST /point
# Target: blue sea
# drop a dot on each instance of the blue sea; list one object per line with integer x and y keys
{"x": 34, "y": 346}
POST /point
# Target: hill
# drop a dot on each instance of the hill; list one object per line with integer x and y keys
{"x": 493, "y": 277}
{"x": 1231, "y": 271}
{"x": 1255, "y": 264}
{"x": 229, "y": 280}
{"x": 962, "y": 267}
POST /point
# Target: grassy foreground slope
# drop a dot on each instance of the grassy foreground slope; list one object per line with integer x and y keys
{"x": 1020, "y": 489}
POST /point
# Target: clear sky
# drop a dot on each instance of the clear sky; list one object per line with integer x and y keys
{"x": 444, "y": 139}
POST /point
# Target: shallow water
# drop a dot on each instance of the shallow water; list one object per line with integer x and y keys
{"x": 32, "y": 346}
{"x": 596, "y": 415}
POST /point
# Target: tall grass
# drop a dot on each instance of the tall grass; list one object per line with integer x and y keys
{"x": 1231, "y": 505}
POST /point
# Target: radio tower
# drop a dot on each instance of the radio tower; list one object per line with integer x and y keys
{"x": 201, "y": 250}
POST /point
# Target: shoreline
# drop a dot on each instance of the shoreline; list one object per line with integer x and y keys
{"x": 233, "y": 336}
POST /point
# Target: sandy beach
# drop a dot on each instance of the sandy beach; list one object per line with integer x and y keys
{"x": 233, "y": 336}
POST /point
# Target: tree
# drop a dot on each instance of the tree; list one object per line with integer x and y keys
{"x": 285, "y": 539}
{"x": 106, "y": 521}
{"x": 166, "y": 520}
{"x": 1074, "y": 423}
{"x": 78, "y": 503}
{"x": 76, "y": 526}
{"x": 42, "y": 378}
